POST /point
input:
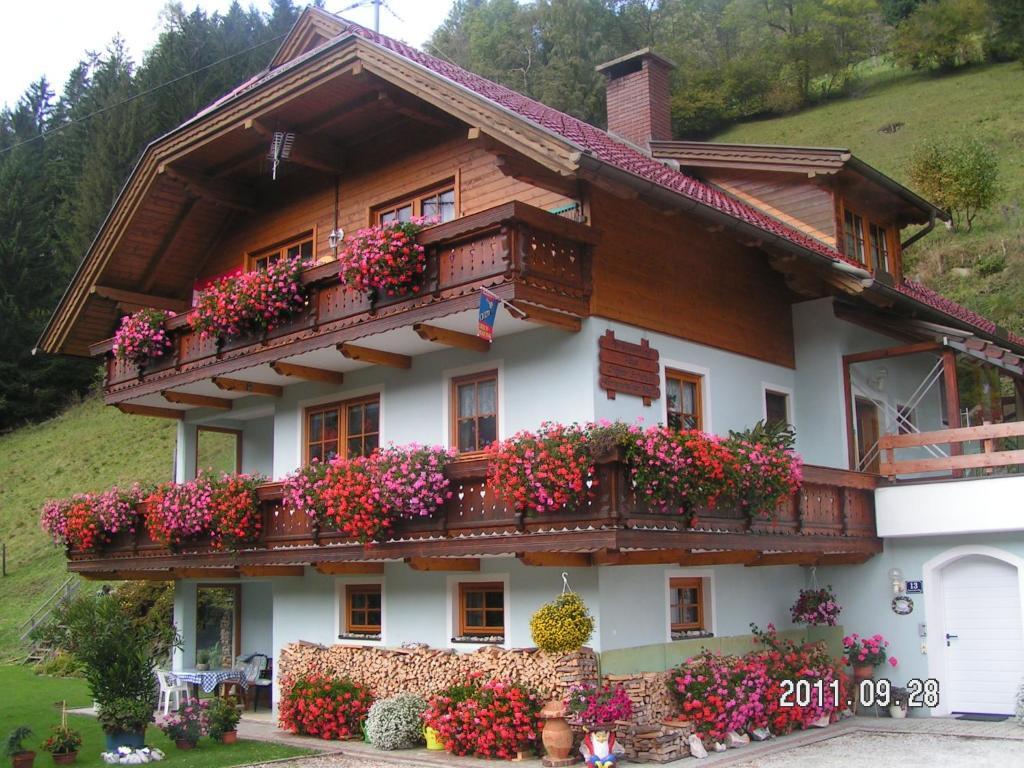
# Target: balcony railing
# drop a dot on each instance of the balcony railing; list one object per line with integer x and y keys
{"x": 832, "y": 513}
{"x": 516, "y": 250}
{"x": 982, "y": 451}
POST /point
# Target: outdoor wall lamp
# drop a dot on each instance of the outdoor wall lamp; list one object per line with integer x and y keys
{"x": 896, "y": 580}
{"x": 335, "y": 237}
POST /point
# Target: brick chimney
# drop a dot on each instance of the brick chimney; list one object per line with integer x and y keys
{"x": 638, "y": 97}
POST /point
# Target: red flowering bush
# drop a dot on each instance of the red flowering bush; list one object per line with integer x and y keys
{"x": 592, "y": 705}
{"x": 142, "y": 336}
{"x": 496, "y": 719}
{"x": 87, "y": 521}
{"x": 385, "y": 258}
{"x": 250, "y": 302}
{"x": 226, "y": 510}
{"x": 677, "y": 471}
{"x": 321, "y": 706}
{"x": 546, "y": 471}
{"x": 352, "y": 499}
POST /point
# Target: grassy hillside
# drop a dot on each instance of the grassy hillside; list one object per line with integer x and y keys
{"x": 88, "y": 448}
{"x": 985, "y": 102}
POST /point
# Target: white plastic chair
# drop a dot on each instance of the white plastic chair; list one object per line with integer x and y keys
{"x": 167, "y": 689}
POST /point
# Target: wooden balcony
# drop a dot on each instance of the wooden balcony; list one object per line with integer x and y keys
{"x": 519, "y": 252}
{"x": 978, "y": 451}
{"x": 830, "y": 521}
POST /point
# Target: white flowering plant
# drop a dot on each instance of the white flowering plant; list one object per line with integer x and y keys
{"x": 396, "y": 723}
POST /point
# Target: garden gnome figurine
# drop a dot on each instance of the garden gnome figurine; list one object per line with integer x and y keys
{"x": 599, "y": 747}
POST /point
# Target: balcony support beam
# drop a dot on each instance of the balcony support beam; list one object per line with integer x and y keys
{"x": 206, "y": 573}
{"x": 272, "y": 570}
{"x": 249, "y": 387}
{"x": 549, "y": 317}
{"x": 555, "y": 559}
{"x": 785, "y": 558}
{"x": 725, "y": 557}
{"x": 153, "y": 411}
{"x": 342, "y": 568}
{"x": 308, "y": 373}
{"x": 375, "y": 356}
{"x": 199, "y": 401}
{"x": 461, "y": 564}
{"x": 451, "y": 338}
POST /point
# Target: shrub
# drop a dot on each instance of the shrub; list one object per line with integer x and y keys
{"x": 222, "y": 716}
{"x": 143, "y": 336}
{"x": 562, "y": 625}
{"x": 321, "y": 706}
{"x": 125, "y": 714}
{"x": 549, "y": 470}
{"x": 496, "y": 719}
{"x": 943, "y": 35}
{"x": 960, "y": 175}
{"x": 396, "y": 723}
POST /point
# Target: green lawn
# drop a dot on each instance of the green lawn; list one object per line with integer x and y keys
{"x": 986, "y": 102}
{"x": 32, "y": 700}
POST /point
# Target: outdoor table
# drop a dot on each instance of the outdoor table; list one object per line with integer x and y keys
{"x": 209, "y": 679}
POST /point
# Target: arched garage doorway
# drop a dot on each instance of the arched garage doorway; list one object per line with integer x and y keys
{"x": 975, "y": 613}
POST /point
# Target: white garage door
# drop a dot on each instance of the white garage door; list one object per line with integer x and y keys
{"x": 985, "y": 645}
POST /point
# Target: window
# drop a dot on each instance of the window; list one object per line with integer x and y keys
{"x": 299, "y": 246}
{"x": 363, "y": 609}
{"x": 437, "y": 203}
{"x": 880, "y": 248}
{"x": 776, "y": 407}
{"x": 350, "y": 428}
{"x": 853, "y": 230}
{"x": 475, "y": 411}
{"x": 683, "y": 400}
{"x": 482, "y": 608}
{"x": 218, "y": 624}
{"x": 686, "y": 604}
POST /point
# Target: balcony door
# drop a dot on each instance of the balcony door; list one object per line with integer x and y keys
{"x": 867, "y": 435}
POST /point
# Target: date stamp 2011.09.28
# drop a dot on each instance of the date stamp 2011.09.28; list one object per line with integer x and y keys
{"x": 866, "y": 693}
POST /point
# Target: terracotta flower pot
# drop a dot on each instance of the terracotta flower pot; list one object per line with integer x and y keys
{"x": 65, "y": 758}
{"x": 556, "y": 735}
{"x": 229, "y": 737}
{"x": 184, "y": 744}
{"x": 863, "y": 672}
{"x": 23, "y": 759}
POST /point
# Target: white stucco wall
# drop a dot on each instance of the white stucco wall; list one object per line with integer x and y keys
{"x": 978, "y": 505}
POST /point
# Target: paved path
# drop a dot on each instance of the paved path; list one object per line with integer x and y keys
{"x": 855, "y": 743}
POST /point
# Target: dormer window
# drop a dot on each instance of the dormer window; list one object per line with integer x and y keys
{"x": 302, "y": 245}
{"x": 880, "y": 248}
{"x": 867, "y": 242}
{"x": 853, "y": 229}
{"x": 433, "y": 203}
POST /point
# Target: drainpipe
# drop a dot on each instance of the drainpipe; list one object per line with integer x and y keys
{"x": 914, "y": 238}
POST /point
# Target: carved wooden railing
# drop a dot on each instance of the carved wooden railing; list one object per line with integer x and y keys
{"x": 515, "y": 249}
{"x": 993, "y": 453}
{"x": 832, "y": 503}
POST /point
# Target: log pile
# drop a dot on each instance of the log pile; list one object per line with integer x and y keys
{"x": 423, "y": 670}
{"x": 647, "y": 738}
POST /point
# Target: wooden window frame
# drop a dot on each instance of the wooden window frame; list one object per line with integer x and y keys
{"x": 363, "y": 589}
{"x": 697, "y": 379}
{"x": 221, "y": 430}
{"x": 339, "y": 405}
{"x": 415, "y": 198}
{"x": 237, "y": 590}
{"x": 453, "y": 404}
{"x": 280, "y": 247}
{"x": 677, "y": 583}
{"x": 481, "y": 586}
{"x": 868, "y": 223}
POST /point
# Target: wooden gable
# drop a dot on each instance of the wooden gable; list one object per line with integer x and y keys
{"x": 313, "y": 28}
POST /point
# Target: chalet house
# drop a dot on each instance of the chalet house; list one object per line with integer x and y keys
{"x": 706, "y": 286}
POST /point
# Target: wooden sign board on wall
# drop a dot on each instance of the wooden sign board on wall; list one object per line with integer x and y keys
{"x": 632, "y": 369}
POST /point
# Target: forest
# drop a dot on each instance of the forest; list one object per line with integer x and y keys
{"x": 65, "y": 155}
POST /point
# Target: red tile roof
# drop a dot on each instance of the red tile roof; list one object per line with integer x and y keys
{"x": 618, "y": 154}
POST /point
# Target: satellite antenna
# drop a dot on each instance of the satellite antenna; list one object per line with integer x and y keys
{"x": 280, "y": 149}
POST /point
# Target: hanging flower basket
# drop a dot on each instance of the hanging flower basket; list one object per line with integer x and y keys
{"x": 562, "y": 625}
{"x": 816, "y": 608}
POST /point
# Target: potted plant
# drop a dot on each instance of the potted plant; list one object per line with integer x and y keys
{"x": 20, "y": 756}
{"x": 222, "y": 718}
{"x": 203, "y": 660}
{"x": 124, "y": 721}
{"x": 63, "y": 744}
{"x": 899, "y": 703}
{"x": 865, "y": 653}
{"x": 186, "y": 726}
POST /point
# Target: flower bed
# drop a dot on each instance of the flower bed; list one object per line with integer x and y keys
{"x": 496, "y": 719}
{"x": 385, "y": 258}
{"x": 87, "y": 521}
{"x": 255, "y": 301}
{"x": 143, "y": 336}
{"x": 317, "y": 705}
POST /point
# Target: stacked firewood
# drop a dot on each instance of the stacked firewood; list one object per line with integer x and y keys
{"x": 423, "y": 670}
{"x": 653, "y": 735}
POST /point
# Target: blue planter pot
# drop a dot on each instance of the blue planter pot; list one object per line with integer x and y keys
{"x": 134, "y": 739}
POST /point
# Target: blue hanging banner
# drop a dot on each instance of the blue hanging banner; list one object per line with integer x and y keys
{"x": 488, "y": 311}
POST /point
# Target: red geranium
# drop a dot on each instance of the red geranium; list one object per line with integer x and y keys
{"x": 352, "y": 498}
{"x": 321, "y": 706}
{"x": 384, "y": 258}
{"x": 497, "y": 719}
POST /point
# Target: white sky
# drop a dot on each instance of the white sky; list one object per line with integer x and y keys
{"x": 51, "y": 38}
